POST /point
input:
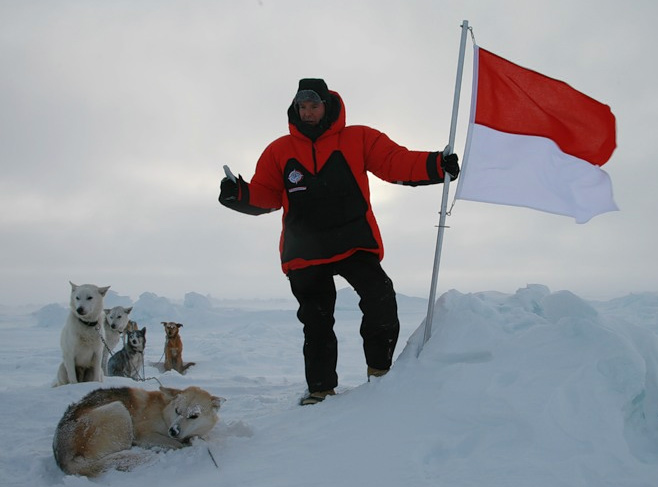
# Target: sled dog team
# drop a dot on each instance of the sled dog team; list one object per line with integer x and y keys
{"x": 97, "y": 433}
{"x": 91, "y": 333}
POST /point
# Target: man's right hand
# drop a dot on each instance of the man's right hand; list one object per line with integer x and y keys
{"x": 228, "y": 190}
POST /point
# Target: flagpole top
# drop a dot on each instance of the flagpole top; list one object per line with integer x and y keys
{"x": 466, "y": 27}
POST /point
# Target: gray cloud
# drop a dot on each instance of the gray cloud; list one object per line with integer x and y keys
{"x": 118, "y": 116}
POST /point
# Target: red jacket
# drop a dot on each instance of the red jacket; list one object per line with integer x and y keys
{"x": 322, "y": 186}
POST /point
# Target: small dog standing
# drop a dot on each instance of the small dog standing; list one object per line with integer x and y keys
{"x": 174, "y": 348}
{"x": 82, "y": 336}
{"x": 97, "y": 433}
{"x": 116, "y": 321}
{"x": 129, "y": 361}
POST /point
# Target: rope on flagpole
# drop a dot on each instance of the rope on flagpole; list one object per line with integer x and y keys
{"x": 446, "y": 185}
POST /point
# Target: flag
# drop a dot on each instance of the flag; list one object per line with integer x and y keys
{"x": 536, "y": 142}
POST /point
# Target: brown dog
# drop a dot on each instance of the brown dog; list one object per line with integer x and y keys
{"x": 174, "y": 348}
{"x": 97, "y": 433}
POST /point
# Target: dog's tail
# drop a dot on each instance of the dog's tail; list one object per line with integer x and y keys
{"x": 187, "y": 366}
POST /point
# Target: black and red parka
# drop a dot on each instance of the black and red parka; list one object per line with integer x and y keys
{"x": 322, "y": 185}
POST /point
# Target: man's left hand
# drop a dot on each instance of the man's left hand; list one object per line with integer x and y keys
{"x": 449, "y": 164}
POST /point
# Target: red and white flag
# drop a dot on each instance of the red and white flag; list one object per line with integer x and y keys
{"x": 536, "y": 142}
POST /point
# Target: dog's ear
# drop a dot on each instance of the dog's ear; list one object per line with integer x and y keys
{"x": 164, "y": 323}
{"x": 128, "y": 310}
{"x": 106, "y": 311}
{"x": 103, "y": 290}
{"x": 179, "y": 325}
{"x": 73, "y": 286}
{"x": 216, "y": 402}
{"x": 169, "y": 393}
{"x": 143, "y": 330}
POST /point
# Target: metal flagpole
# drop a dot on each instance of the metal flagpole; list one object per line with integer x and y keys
{"x": 446, "y": 185}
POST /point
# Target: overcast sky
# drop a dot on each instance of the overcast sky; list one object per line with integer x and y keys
{"x": 116, "y": 118}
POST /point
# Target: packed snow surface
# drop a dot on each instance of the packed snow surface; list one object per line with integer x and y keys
{"x": 535, "y": 388}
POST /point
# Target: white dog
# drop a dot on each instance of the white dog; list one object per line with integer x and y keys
{"x": 82, "y": 336}
{"x": 116, "y": 321}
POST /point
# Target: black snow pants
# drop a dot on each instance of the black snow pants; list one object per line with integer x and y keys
{"x": 315, "y": 291}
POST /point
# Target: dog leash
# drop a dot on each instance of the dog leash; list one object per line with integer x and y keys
{"x": 212, "y": 457}
{"x": 143, "y": 374}
{"x": 151, "y": 378}
{"x": 107, "y": 347}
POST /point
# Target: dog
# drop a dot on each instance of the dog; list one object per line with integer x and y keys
{"x": 116, "y": 322}
{"x": 174, "y": 348}
{"x": 132, "y": 326}
{"x": 97, "y": 433}
{"x": 82, "y": 336}
{"x": 129, "y": 361}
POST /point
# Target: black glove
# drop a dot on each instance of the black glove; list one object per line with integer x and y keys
{"x": 449, "y": 165}
{"x": 235, "y": 195}
{"x": 228, "y": 190}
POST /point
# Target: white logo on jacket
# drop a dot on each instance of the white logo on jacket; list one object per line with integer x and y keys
{"x": 295, "y": 176}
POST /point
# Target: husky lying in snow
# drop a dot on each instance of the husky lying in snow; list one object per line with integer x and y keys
{"x": 116, "y": 321}
{"x": 82, "y": 336}
{"x": 96, "y": 434}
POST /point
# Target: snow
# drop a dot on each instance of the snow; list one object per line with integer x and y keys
{"x": 535, "y": 388}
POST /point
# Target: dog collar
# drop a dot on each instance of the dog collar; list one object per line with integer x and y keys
{"x": 88, "y": 323}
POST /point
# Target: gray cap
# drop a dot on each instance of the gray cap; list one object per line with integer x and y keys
{"x": 307, "y": 95}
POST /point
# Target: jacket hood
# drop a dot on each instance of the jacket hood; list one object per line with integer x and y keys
{"x": 333, "y": 120}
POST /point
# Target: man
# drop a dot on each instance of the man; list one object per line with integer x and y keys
{"x": 318, "y": 175}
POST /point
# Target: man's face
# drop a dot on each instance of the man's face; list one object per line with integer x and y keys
{"x": 311, "y": 112}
